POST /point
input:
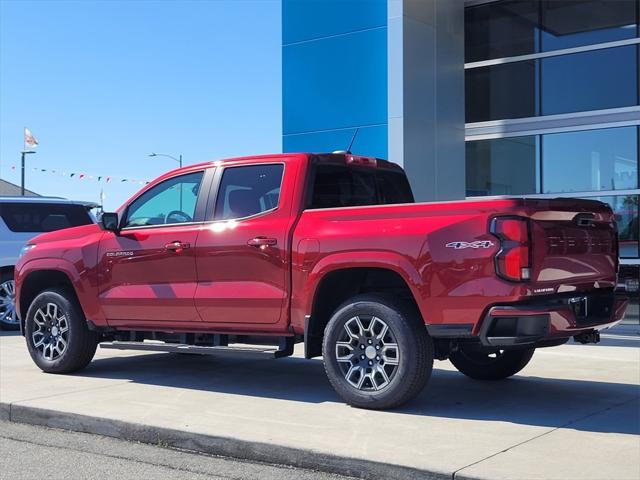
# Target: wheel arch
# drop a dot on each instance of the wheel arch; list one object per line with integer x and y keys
{"x": 336, "y": 285}
{"x": 35, "y": 282}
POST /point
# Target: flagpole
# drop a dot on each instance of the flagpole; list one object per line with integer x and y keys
{"x": 24, "y": 149}
{"x": 24, "y": 154}
{"x": 22, "y": 175}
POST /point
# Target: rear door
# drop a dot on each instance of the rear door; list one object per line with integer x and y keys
{"x": 147, "y": 272}
{"x": 242, "y": 255}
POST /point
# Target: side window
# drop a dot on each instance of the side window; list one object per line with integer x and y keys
{"x": 342, "y": 186}
{"x": 170, "y": 202}
{"x": 43, "y": 217}
{"x": 246, "y": 191}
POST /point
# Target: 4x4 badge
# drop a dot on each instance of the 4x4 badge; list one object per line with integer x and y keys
{"x": 476, "y": 244}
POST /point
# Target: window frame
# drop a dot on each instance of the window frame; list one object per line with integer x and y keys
{"x": 198, "y": 218}
{"x": 209, "y": 216}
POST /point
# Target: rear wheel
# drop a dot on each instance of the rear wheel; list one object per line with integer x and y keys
{"x": 8, "y": 315}
{"x": 491, "y": 366}
{"x": 57, "y": 335}
{"x": 376, "y": 353}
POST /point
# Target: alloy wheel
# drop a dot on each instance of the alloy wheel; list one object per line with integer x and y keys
{"x": 367, "y": 353}
{"x": 8, "y": 313}
{"x": 51, "y": 333}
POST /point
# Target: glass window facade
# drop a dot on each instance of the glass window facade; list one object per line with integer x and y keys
{"x": 571, "y": 23}
{"x": 503, "y": 166}
{"x": 599, "y": 77}
{"x": 583, "y": 161}
{"x": 593, "y": 80}
{"x": 503, "y": 29}
{"x": 515, "y": 27}
{"x": 592, "y": 160}
{"x": 501, "y": 91}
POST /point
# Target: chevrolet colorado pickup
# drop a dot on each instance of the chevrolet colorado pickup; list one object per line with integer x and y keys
{"x": 253, "y": 255}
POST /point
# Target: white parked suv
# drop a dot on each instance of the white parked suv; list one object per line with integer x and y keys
{"x": 22, "y": 218}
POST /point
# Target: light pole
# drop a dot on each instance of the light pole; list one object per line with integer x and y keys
{"x": 179, "y": 160}
{"x": 24, "y": 153}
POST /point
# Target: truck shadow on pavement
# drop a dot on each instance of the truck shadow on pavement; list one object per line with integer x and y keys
{"x": 527, "y": 400}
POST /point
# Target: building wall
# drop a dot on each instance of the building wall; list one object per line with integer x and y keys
{"x": 334, "y": 58}
{"x": 426, "y": 95}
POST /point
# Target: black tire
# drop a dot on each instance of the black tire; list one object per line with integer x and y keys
{"x": 407, "y": 371}
{"x": 81, "y": 342}
{"x": 8, "y": 316}
{"x": 483, "y": 366}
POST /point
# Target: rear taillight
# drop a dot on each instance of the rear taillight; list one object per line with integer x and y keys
{"x": 513, "y": 260}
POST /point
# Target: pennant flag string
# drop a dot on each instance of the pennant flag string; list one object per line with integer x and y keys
{"x": 84, "y": 176}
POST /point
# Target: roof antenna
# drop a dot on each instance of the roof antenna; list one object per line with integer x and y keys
{"x": 353, "y": 139}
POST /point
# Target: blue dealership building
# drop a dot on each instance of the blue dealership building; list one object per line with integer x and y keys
{"x": 475, "y": 97}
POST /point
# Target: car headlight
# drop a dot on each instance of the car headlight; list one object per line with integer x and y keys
{"x": 25, "y": 249}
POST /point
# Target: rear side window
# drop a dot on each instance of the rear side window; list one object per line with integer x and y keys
{"x": 249, "y": 190}
{"x": 43, "y": 217}
{"x": 342, "y": 186}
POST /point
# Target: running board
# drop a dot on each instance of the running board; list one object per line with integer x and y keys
{"x": 285, "y": 350}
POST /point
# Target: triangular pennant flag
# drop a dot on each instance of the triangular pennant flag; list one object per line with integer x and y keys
{"x": 29, "y": 140}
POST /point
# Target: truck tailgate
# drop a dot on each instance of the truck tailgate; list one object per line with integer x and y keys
{"x": 573, "y": 241}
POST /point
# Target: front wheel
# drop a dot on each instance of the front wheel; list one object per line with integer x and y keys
{"x": 57, "y": 335}
{"x": 376, "y": 354}
{"x": 491, "y": 366}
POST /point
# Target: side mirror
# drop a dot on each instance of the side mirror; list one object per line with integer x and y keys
{"x": 110, "y": 222}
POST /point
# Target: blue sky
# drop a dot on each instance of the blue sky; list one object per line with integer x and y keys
{"x": 101, "y": 84}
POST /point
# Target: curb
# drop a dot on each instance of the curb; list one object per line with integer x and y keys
{"x": 214, "y": 445}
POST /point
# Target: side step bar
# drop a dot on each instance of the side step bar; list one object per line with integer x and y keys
{"x": 285, "y": 349}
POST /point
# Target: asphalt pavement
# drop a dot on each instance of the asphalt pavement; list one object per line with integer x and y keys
{"x": 32, "y": 452}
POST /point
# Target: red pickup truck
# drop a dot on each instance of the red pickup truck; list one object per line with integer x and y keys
{"x": 252, "y": 255}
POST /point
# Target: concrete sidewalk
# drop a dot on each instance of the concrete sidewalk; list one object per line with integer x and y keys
{"x": 574, "y": 412}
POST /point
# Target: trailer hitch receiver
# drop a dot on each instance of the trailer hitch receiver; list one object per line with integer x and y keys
{"x": 592, "y": 336}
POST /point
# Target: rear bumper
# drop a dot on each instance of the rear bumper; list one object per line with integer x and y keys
{"x": 551, "y": 320}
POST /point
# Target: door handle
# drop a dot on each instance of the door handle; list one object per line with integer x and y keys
{"x": 176, "y": 246}
{"x": 262, "y": 242}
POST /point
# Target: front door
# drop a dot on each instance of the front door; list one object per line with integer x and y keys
{"x": 147, "y": 272}
{"x": 242, "y": 255}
